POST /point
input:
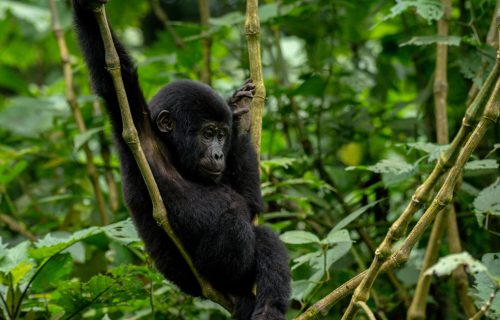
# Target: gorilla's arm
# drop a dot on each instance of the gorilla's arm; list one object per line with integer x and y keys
{"x": 243, "y": 168}
{"x": 93, "y": 50}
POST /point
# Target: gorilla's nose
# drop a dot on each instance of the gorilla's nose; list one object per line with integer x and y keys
{"x": 218, "y": 155}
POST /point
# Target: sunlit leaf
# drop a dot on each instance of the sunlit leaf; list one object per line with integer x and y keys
{"x": 446, "y": 265}
{"x": 488, "y": 199}
{"x": 337, "y": 236}
{"x": 299, "y": 237}
{"x": 484, "y": 284}
{"x": 427, "y": 9}
{"x": 427, "y": 40}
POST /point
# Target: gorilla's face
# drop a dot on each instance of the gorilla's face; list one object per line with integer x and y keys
{"x": 195, "y": 123}
{"x": 212, "y": 137}
{"x": 200, "y": 151}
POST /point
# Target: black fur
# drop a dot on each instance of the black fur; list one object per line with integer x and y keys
{"x": 213, "y": 218}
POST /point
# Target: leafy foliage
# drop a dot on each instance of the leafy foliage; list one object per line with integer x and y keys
{"x": 348, "y": 134}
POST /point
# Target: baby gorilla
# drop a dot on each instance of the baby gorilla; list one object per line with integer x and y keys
{"x": 207, "y": 173}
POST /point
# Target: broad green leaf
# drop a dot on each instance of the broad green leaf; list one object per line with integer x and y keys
{"x": 353, "y": 216}
{"x": 14, "y": 256}
{"x": 391, "y": 166}
{"x": 22, "y": 272}
{"x": 83, "y": 138}
{"x": 50, "y": 245}
{"x": 337, "y": 252}
{"x": 427, "y": 9}
{"x": 427, "y": 40}
{"x": 484, "y": 284}
{"x": 300, "y": 288}
{"x": 299, "y": 237}
{"x": 488, "y": 200}
{"x": 446, "y": 265}
{"x": 269, "y": 11}
{"x": 306, "y": 258}
{"x": 486, "y": 164}
{"x": 56, "y": 269}
{"x": 336, "y": 237}
{"x": 434, "y": 150}
{"x": 277, "y": 162}
{"x": 124, "y": 232}
{"x": 318, "y": 263}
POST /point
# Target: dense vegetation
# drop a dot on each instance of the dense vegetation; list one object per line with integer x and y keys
{"x": 350, "y": 130}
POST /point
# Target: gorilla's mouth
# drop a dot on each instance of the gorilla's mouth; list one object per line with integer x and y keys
{"x": 211, "y": 173}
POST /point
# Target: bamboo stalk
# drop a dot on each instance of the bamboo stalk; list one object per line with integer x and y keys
{"x": 131, "y": 137}
{"x": 419, "y": 302}
{"x": 75, "y": 109}
{"x": 206, "y": 72}
{"x": 252, "y": 30}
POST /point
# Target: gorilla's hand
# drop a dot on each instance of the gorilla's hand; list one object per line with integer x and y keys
{"x": 89, "y": 4}
{"x": 241, "y": 99}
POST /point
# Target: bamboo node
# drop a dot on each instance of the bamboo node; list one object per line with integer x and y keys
{"x": 491, "y": 117}
{"x": 416, "y": 200}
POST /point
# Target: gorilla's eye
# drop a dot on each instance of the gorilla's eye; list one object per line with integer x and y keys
{"x": 209, "y": 133}
{"x": 221, "y": 135}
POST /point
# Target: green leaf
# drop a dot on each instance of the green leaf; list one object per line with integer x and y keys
{"x": 22, "y": 272}
{"x": 277, "y": 162}
{"x": 58, "y": 268}
{"x": 337, "y": 236}
{"x": 434, "y": 150}
{"x": 299, "y": 237}
{"x": 306, "y": 258}
{"x": 446, "y": 265}
{"x": 353, "y": 216}
{"x": 37, "y": 16}
{"x": 484, "y": 284}
{"x": 488, "y": 200}
{"x": 10, "y": 173}
{"x": 427, "y": 9}
{"x": 82, "y": 138}
{"x": 485, "y": 164}
{"x": 100, "y": 284}
{"x": 427, "y": 40}
{"x": 124, "y": 232}
{"x": 269, "y": 11}
{"x": 14, "y": 256}
{"x": 393, "y": 166}
{"x": 50, "y": 245}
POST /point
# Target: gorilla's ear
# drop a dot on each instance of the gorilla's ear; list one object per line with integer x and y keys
{"x": 165, "y": 122}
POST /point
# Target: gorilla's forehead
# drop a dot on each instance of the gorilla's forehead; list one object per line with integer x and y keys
{"x": 191, "y": 99}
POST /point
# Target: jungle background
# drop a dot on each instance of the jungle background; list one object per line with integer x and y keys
{"x": 349, "y": 132}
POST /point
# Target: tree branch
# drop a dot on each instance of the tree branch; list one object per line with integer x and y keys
{"x": 252, "y": 30}
{"x": 206, "y": 72}
{"x": 419, "y": 303}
